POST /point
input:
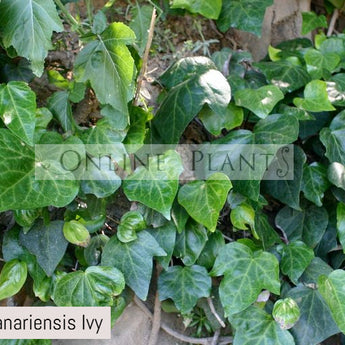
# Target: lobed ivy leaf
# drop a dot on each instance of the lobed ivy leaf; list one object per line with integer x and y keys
{"x": 255, "y": 327}
{"x": 316, "y": 268}
{"x": 134, "y": 260}
{"x": 184, "y": 285}
{"x": 314, "y": 182}
{"x": 296, "y": 257}
{"x": 190, "y": 243}
{"x": 246, "y": 273}
{"x": 203, "y": 200}
{"x": 260, "y": 101}
{"x": 311, "y": 21}
{"x": 47, "y": 243}
{"x": 265, "y": 231}
{"x": 95, "y": 287}
{"x": 12, "y": 278}
{"x": 193, "y": 82}
{"x": 246, "y": 16}
{"x": 287, "y": 76}
{"x": 315, "y": 97}
{"x": 208, "y": 8}
{"x": 109, "y": 67}
{"x": 28, "y": 27}
{"x": 333, "y": 139}
{"x": 18, "y": 109}
{"x": 156, "y": 186}
{"x": 308, "y": 225}
{"x": 17, "y": 168}
{"x": 315, "y": 323}
{"x": 332, "y": 290}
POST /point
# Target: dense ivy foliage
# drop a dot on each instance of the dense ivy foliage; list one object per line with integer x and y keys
{"x": 269, "y": 252}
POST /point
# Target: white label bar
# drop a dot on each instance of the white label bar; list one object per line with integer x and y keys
{"x": 55, "y": 323}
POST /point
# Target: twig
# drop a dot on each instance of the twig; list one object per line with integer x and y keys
{"x": 167, "y": 329}
{"x": 214, "y": 312}
{"x": 146, "y": 57}
{"x": 156, "y": 320}
{"x": 69, "y": 17}
{"x": 215, "y": 337}
{"x": 332, "y": 23}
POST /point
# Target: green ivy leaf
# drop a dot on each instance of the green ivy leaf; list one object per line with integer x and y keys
{"x": 76, "y": 233}
{"x": 211, "y": 249}
{"x": 214, "y": 122}
{"x": 333, "y": 139}
{"x": 311, "y": 21}
{"x": 190, "y": 243}
{"x": 288, "y": 191}
{"x": 341, "y": 223}
{"x": 208, "y": 8}
{"x": 265, "y": 231}
{"x": 130, "y": 223}
{"x": 246, "y": 273}
{"x": 332, "y": 290}
{"x": 17, "y": 167}
{"x": 184, "y": 285}
{"x": 194, "y": 81}
{"x": 316, "y": 268}
{"x": 255, "y": 327}
{"x": 95, "y": 287}
{"x": 296, "y": 257}
{"x": 157, "y": 185}
{"x": 243, "y": 217}
{"x": 18, "y": 109}
{"x": 59, "y": 105}
{"x": 134, "y": 259}
{"x": 260, "y": 101}
{"x": 165, "y": 236}
{"x": 109, "y": 66}
{"x": 28, "y": 27}
{"x": 318, "y": 62}
{"x": 47, "y": 243}
{"x": 140, "y": 24}
{"x": 315, "y": 323}
{"x": 276, "y": 129}
{"x": 315, "y": 97}
{"x": 287, "y": 76}
{"x": 314, "y": 182}
{"x": 246, "y": 16}
{"x": 179, "y": 216}
{"x": 203, "y": 200}
{"x": 307, "y": 225}
{"x": 92, "y": 253}
{"x": 12, "y": 278}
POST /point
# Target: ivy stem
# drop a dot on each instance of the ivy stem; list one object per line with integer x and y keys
{"x": 214, "y": 312}
{"x": 334, "y": 19}
{"x": 69, "y": 17}
{"x": 167, "y": 329}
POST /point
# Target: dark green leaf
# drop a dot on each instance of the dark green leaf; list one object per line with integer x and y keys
{"x": 99, "y": 23}
{"x": 28, "y": 27}
{"x": 332, "y": 290}
{"x": 190, "y": 243}
{"x": 296, "y": 257}
{"x": 287, "y": 76}
{"x": 246, "y": 273}
{"x": 341, "y": 224}
{"x": 246, "y": 16}
{"x": 18, "y": 109}
{"x": 314, "y": 182}
{"x": 194, "y": 81}
{"x": 315, "y": 323}
{"x": 316, "y": 268}
{"x": 260, "y": 101}
{"x": 265, "y": 231}
{"x": 92, "y": 253}
{"x": 47, "y": 243}
{"x": 130, "y": 223}
{"x": 179, "y": 216}
{"x": 165, "y": 236}
{"x": 95, "y": 287}
{"x": 307, "y": 225}
{"x": 255, "y": 327}
{"x": 203, "y": 200}
{"x": 12, "y": 278}
{"x": 134, "y": 259}
{"x": 185, "y": 285}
